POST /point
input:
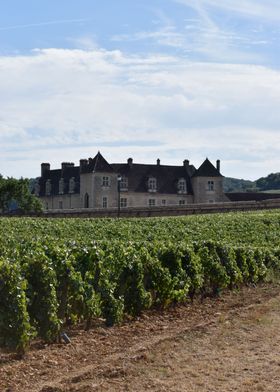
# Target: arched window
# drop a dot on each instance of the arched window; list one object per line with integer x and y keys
{"x": 86, "y": 201}
{"x": 61, "y": 186}
{"x": 152, "y": 184}
{"x": 48, "y": 187}
{"x": 72, "y": 185}
{"x": 182, "y": 186}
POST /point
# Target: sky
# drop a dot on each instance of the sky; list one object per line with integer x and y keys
{"x": 147, "y": 79}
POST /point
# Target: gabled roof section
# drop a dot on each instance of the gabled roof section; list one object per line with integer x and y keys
{"x": 207, "y": 169}
{"x": 97, "y": 164}
{"x": 55, "y": 175}
{"x": 167, "y": 176}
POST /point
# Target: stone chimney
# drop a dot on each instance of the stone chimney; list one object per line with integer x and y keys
{"x": 158, "y": 162}
{"x": 45, "y": 167}
{"x": 64, "y": 165}
{"x": 130, "y": 162}
{"x": 186, "y": 163}
{"x": 218, "y": 165}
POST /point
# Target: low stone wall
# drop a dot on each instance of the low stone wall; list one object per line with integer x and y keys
{"x": 190, "y": 209}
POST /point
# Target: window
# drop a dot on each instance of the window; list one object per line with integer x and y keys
{"x": 37, "y": 188}
{"x": 48, "y": 187}
{"x": 182, "y": 186}
{"x": 61, "y": 186}
{"x": 72, "y": 185}
{"x": 182, "y": 202}
{"x": 104, "y": 202}
{"x": 163, "y": 202}
{"x": 152, "y": 202}
{"x": 152, "y": 184}
{"x": 105, "y": 182}
{"x": 47, "y": 206}
{"x": 124, "y": 184}
{"x": 210, "y": 201}
{"x": 210, "y": 185}
{"x": 60, "y": 204}
{"x": 123, "y": 202}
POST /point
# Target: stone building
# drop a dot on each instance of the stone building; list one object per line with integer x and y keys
{"x": 97, "y": 184}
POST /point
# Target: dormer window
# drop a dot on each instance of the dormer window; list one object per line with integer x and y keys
{"x": 124, "y": 184}
{"x": 37, "y": 188}
{"x": 61, "y": 186}
{"x": 72, "y": 185}
{"x": 48, "y": 187}
{"x": 182, "y": 186}
{"x": 152, "y": 184}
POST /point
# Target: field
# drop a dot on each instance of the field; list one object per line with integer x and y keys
{"x": 70, "y": 275}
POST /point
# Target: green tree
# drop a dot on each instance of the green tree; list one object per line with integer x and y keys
{"x": 18, "y": 192}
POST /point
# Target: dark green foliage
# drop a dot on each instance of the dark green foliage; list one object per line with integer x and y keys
{"x": 215, "y": 274}
{"x": 41, "y": 295}
{"x": 17, "y": 191}
{"x": 15, "y": 328}
{"x": 72, "y": 271}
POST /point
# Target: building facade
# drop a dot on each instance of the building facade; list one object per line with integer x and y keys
{"x": 97, "y": 184}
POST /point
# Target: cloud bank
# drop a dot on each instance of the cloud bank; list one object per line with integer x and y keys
{"x": 58, "y": 105}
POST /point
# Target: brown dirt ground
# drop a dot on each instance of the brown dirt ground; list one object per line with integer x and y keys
{"x": 227, "y": 344}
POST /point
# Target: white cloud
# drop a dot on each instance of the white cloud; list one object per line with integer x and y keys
{"x": 58, "y": 105}
{"x": 265, "y": 10}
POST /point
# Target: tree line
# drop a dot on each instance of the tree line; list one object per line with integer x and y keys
{"x": 15, "y": 194}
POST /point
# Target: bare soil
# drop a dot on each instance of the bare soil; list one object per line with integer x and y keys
{"x": 226, "y": 344}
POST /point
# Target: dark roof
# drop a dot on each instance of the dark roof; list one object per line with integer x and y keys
{"x": 207, "y": 170}
{"x": 137, "y": 174}
{"x": 97, "y": 164}
{"x": 251, "y": 196}
{"x": 167, "y": 176}
{"x": 56, "y": 175}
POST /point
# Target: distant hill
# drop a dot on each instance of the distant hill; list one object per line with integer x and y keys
{"x": 239, "y": 185}
{"x": 269, "y": 184}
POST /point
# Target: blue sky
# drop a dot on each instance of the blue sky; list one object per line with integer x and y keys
{"x": 173, "y": 79}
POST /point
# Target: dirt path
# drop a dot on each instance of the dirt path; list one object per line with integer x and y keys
{"x": 226, "y": 344}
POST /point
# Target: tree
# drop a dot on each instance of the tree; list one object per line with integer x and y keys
{"x": 17, "y": 192}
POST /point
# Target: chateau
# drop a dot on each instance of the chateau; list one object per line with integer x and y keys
{"x": 97, "y": 184}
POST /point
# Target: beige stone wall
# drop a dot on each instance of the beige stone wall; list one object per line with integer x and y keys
{"x": 86, "y": 186}
{"x": 67, "y": 201}
{"x": 203, "y": 195}
{"x": 110, "y": 192}
{"x": 135, "y": 199}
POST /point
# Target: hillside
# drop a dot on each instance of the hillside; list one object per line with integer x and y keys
{"x": 270, "y": 183}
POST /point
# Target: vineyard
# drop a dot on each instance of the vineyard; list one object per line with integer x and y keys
{"x": 68, "y": 271}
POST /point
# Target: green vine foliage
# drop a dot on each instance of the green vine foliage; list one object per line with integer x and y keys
{"x": 41, "y": 295}
{"x": 57, "y": 272}
{"x": 15, "y": 329}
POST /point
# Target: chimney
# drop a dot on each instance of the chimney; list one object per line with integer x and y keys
{"x": 64, "y": 165}
{"x": 83, "y": 162}
{"x": 186, "y": 163}
{"x": 158, "y": 162}
{"x": 218, "y": 165}
{"x": 130, "y": 162}
{"x": 45, "y": 167}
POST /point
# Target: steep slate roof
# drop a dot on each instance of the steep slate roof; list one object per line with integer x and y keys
{"x": 55, "y": 176}
{"x": 167, "y": 176}
{"x": 137, "y": 174}
{"x": 207, "y": 170}
{"x": 97, "y": 164}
